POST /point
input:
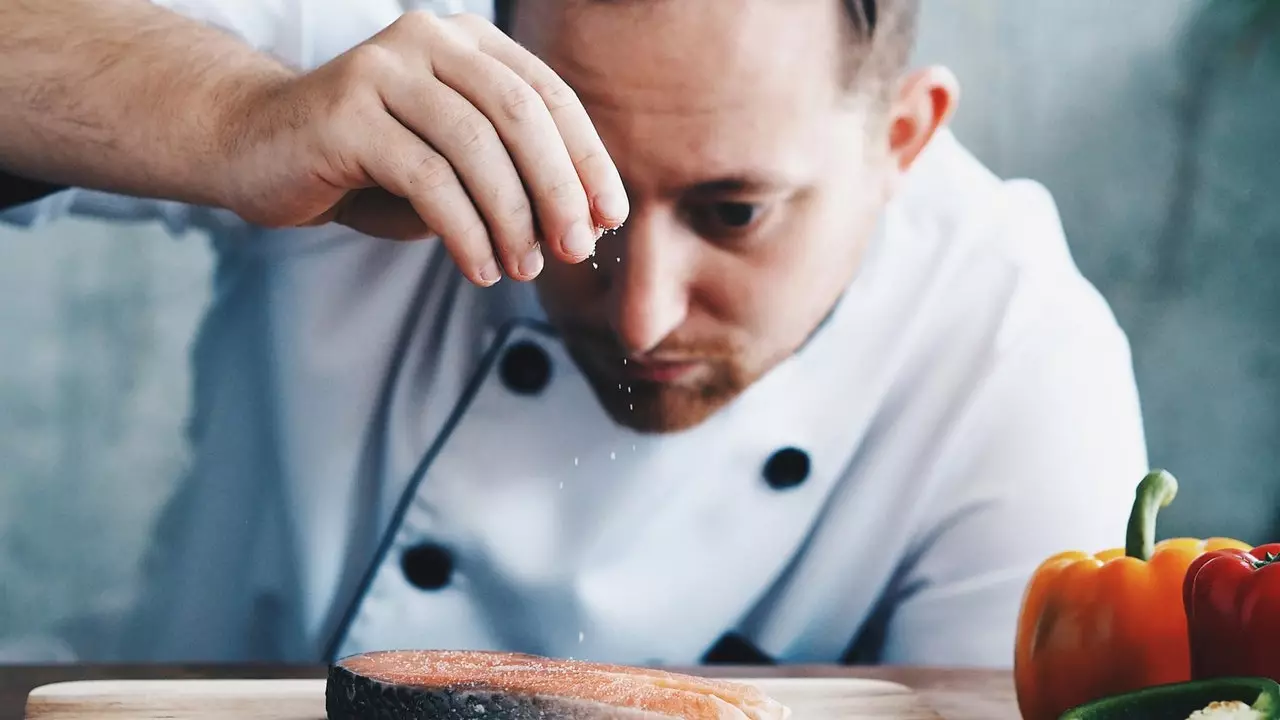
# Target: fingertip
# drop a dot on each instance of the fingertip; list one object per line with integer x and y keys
{"x": 531, "y": 263}
{"x": 611, "y": 209}
{"x": 488, "y": 275}
{"x": 579, "y": 242}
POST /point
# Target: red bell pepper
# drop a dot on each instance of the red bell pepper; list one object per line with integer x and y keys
{"x": 1232, "y": 601}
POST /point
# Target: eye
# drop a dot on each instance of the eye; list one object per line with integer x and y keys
{"x": 735, "y": 215}
{"x": 720, "y": 219}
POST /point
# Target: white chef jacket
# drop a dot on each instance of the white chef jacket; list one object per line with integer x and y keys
{"x": 387, "y": 456}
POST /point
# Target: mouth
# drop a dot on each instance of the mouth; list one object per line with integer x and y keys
{"x": 660, "y": 372}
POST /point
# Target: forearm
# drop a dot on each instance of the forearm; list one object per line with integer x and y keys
{"x": 124, "y": 96}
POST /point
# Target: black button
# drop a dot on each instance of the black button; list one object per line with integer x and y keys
{"x": 733, "y": 649}
{"x": 427, "y": 566}
{"x": 787, "y": 468}
{"x": 525, "y": 368}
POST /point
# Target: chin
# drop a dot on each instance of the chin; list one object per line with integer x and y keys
{"x": 669, "y": 410}
{"x": 655, "y": 408}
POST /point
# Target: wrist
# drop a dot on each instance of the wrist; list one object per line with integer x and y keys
{"x": 233, "y": 112}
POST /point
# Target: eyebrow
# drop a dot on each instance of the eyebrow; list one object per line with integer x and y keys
{"x": 741, "y": 184}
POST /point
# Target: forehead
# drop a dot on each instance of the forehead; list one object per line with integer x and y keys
{"x": 698, "y": 86}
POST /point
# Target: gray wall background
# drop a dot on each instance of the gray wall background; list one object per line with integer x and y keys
{"x": 1157, "y": 135}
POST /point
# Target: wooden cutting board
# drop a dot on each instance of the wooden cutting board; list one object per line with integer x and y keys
{"x": 808, "y": 698}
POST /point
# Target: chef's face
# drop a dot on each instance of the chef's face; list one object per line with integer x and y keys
{"x": 755, "y": 173}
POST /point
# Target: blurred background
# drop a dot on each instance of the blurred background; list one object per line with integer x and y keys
{"x": 1153, "y": 122}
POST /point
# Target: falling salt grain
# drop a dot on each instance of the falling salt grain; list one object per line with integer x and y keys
{"x": 595, "y": 266}
{"x": 581, "y": 636}
{"x": 561, "y": 484}
{"x": 613, "y": 456}
{"x": 575, "y": 462}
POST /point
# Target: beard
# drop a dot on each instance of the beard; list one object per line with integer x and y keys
{"x": 659, "y": 407}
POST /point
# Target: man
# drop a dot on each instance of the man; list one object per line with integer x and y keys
{"x": 830, "y": 393}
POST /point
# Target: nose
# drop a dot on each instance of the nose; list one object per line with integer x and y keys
{"x": 649, "y": 288}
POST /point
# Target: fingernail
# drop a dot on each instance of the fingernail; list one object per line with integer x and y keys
{"x": 612, "y": 207}
{"x": 531, "y": 263}
{"x": 579, "y": 241}
{"x": 490, "y": 274}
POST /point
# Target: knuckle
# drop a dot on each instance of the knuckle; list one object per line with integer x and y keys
{"x": 514, "y": 226}
{"x": 590, "y": 160}
{"x": 370, "y": 60}
{"x": 471, "y": 21}
{"x": 557, "y": 95}
{"x": 418, "y": 22}
{"x": 430, "y": 173}
{"x": 565, "y": 191}
{"x": 521, "y": 104}
{"x": 448, "y": 30}
{"x": 473, "y": 131}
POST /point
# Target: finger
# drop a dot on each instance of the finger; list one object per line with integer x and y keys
{"x": 466, "y": 138}
{"x": 599, "y": 175}
{"x": 533, "y": 140}
{"x": 400, "y": 162}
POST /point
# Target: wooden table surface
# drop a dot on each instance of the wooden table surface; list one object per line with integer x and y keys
{"x": 954, "y": 694}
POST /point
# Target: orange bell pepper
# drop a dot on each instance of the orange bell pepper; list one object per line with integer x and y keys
{"x": 1092, "y": 626}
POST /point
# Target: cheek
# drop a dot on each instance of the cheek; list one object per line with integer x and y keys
{"x": 780, "y": 291}
{"x": 763, "y": 302}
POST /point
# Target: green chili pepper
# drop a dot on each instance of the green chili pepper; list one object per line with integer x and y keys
{"x": 1179, "y": 700}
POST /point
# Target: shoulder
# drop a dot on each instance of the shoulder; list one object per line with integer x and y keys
{"x": 995, "y": 249}
{"x": 988, "y": 310}
{"x": 1039, "y": 425}
{"x": 1047, "y": 370}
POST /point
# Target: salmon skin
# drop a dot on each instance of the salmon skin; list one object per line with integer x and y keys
{"x": 476, "y": 685}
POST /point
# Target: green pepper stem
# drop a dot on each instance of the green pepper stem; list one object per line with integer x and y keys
{"x": 1155, "y": 491}
{"x": 1266, "y": 704}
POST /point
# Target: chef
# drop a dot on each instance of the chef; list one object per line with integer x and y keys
{"x": 830, "y": 393}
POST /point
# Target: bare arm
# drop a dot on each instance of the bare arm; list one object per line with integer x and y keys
{"x": 120, "y": 95}
{"x": 433, "y": 126}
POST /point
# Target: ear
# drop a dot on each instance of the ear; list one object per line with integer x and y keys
{"x": 925, "y": 102}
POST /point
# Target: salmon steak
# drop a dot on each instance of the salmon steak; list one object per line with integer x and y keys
{"x": 475, "y": 685}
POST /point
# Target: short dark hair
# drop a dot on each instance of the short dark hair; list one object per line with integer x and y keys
{"x": 882, "y": 36}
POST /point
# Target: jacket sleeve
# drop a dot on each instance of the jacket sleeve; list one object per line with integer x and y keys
{"x": 309, "y": 33}
{"x": 1044, "y": 458}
